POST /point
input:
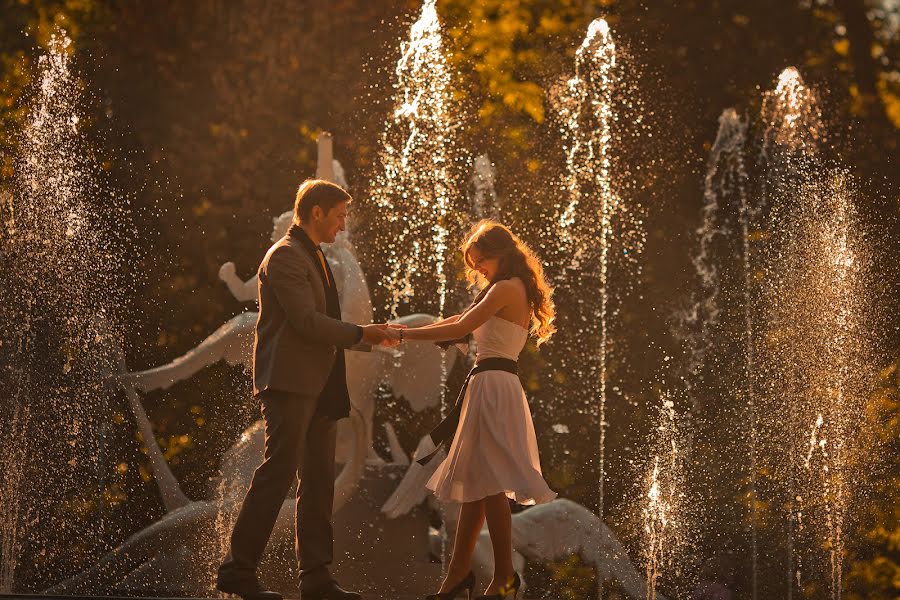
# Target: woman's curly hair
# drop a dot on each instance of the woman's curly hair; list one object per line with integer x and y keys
{"x": 495, "y": 240}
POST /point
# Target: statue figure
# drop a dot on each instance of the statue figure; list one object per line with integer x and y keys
{"x": 168, "y": 555}
{"x": 417, "y": 377}
{"x": 543, "y": 533}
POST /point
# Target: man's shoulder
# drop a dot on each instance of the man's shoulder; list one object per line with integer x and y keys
{"x": 284, "y": 250}
{"x": 283, "y": 246}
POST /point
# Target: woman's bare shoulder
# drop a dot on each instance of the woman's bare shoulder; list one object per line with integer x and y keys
{"x": 509, "y": 285}
{"x": 513, "y": 285}
{"x": 511, "y": 289}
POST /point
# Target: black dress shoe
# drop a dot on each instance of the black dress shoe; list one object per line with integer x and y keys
{"x": 247, "y": 589}
{"x": 331, "y": 591}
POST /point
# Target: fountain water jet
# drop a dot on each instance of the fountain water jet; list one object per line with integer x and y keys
{"x": 725, "y": 188}
{"x": 415, "y": 193}
{"x": 792, "y": 119}
{"x": 664, "y": 510}
{"x": 595, "y": 224}
{"x": 415, "y": 188}
{"x": 588, "y": 153}
{"x": 789, "y": 151}
{"x": 709, "y": 323}
{"x": 827, "y": 361}
{"x": 596, "y": 53}
{"x": 63, "y": 238}
{"x": 816, "y": 354}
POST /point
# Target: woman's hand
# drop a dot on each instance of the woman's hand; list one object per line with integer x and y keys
{"x": 397, "y": 328}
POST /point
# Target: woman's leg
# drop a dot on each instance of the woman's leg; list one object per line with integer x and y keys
{"x": 471, "y": 518}
{"x": 499, "y": 521}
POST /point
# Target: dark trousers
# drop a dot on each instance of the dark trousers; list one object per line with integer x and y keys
{"x": 301, "y": 442}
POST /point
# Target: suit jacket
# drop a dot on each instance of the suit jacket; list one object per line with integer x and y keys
{"x": 296, "y": 342}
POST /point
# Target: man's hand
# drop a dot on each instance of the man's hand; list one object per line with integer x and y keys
{"x": 380, "y": 334}
{"x": 395, "y": 330}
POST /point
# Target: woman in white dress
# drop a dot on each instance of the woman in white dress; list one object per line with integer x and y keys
{"x": 493, "y": 456}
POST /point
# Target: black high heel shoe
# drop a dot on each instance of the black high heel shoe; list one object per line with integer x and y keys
{"x": 467, "y": 584}
{"x": 508, "y": 592}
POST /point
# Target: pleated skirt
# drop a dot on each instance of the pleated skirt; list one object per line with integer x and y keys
{"x": 495, "y": 449}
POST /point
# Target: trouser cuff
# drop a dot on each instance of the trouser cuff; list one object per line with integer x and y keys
{"x": 311, "y": 579}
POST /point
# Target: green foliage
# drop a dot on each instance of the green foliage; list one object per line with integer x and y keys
{"x": 571, "y": 579}
{"x": 26, "y": 26}
{"x": 874, "y": 564}
{"x": 505, "y": 46}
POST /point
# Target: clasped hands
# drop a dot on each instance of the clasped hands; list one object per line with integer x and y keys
{"x": 382, "y": 334}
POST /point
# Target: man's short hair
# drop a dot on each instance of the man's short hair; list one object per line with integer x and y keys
{"x": 317, "y": 192}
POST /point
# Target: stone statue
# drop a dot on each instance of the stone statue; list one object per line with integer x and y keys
{"x": 178, "y": 554}
{"x": 417, "y": 376}
{"x": 543, "y": 533}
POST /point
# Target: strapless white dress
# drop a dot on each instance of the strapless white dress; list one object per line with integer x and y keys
{"x": 495, "y": 449}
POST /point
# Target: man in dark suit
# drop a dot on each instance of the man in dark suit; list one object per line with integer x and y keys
{"x": 299, "y": 377}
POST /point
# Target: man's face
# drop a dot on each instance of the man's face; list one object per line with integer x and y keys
{"x": 329, "y": 224}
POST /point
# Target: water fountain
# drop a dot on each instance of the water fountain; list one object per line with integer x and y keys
{"x": 718, "y": 327}
{"x": 799, "y": 285}
{"x": 817, "y": 326}
{"x": 664, "y": 514}
{"x": 596, "y": 227}
{"x": 792, "y": 131}
{"x": 798, "y": 277}
{"x": 598, "y": 231}
{"x": 63, "y": 240}
{"x": 724, "y": 195}
{"x": 734, "y": 226}
{"x": 414, "y": 193}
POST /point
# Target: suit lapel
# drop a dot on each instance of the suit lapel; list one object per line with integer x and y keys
{"x": 316, "y": 280}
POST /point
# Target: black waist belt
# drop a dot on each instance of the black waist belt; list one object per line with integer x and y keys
{"x": 446, "y": 430}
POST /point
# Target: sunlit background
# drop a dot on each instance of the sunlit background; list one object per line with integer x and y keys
{"x": 712, "y": 186}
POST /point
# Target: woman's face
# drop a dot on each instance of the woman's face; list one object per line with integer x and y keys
{"x": 486, "y": 266}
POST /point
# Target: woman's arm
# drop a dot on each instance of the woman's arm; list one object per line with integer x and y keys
{"x": 446, "y": 321}
{"x": 501, "y": 294}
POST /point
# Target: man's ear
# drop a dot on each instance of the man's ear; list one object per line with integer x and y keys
{"x": 316, "y": 213}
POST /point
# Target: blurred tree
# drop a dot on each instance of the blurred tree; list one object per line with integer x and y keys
{"x": 863, "y": 52}
{"x": 25, "y": 27}
{"x": 508, "y": 54}
{"x": 874, "y": 568}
